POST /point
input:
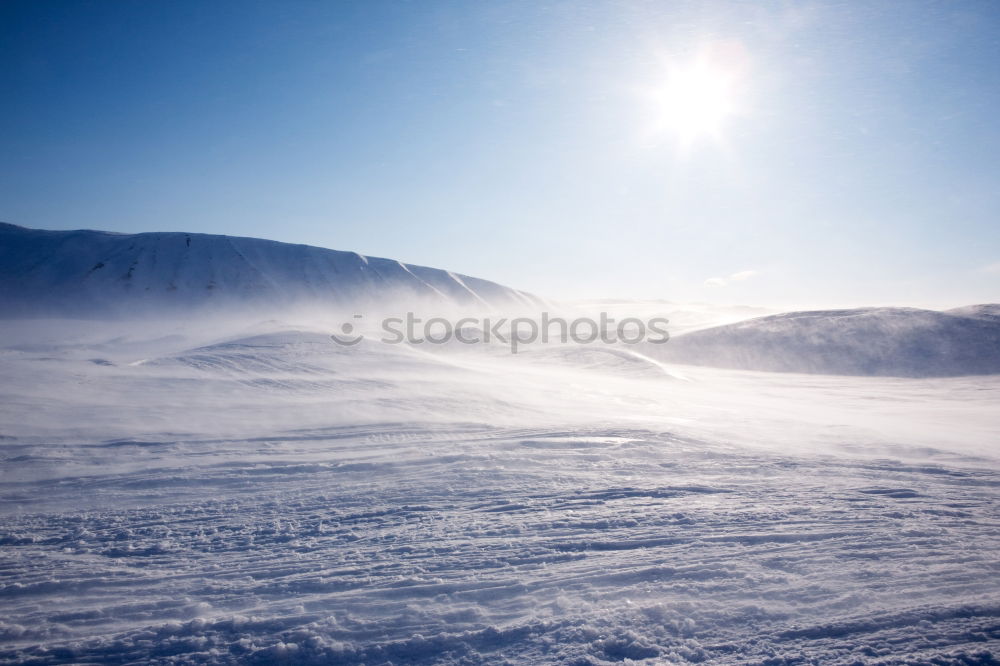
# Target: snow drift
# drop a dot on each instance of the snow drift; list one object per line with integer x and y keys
{"x": 893, "y": 342}
{"x": 97, "y": 273}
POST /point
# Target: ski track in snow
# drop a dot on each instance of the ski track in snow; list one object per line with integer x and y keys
{"x": 480, "y": 539}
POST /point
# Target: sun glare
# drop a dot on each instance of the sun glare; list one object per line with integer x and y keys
{"x": 694, "y": 101}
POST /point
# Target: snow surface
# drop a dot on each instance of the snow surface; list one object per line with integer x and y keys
{"x": 250, "y": 492}
{"x": 192, "y": 471}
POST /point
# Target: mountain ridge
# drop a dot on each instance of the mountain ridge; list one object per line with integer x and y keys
{"x": 88, "y": 272}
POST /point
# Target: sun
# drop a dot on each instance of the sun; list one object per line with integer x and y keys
{"x": 694, "y": 100}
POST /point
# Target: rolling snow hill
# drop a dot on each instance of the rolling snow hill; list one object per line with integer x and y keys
{"x": 97, "y": 273}
{"x": 893, "y": 342}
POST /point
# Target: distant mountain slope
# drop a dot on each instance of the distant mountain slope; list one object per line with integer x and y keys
{"x": 82, "y": 273}
{"x": 895, "y": 342}
{"x": 983, "y": 311}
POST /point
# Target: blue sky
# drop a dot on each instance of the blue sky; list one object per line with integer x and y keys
{"x": 858, "y": 160}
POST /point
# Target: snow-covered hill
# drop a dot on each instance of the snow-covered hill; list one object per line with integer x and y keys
{"x": 989, "y": 311}
{"x": 97, "y": 273}
{"x": 899, "y": 342}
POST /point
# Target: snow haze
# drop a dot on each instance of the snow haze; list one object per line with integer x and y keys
{"x": 204, "y": 475}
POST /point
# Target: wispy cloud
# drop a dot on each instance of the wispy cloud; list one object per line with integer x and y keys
{"x": 735, "y": 277}
{"x": 993, "y": 268}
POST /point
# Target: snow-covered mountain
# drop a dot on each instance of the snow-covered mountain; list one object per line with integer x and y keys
{"x": 98, "y": 273}
{"x": 901, "y": 342}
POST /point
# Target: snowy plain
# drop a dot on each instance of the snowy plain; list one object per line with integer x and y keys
{"x": 251, "y": 492}
{"x": 195, "y": 472}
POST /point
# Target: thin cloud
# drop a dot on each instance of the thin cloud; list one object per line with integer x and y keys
{"x": 742, "y": 275}
{"x": 993, "y": 268}
{"x": 735, "y": 277}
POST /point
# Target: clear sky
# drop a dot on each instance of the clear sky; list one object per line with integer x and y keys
{"x": 782, "y": 153}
